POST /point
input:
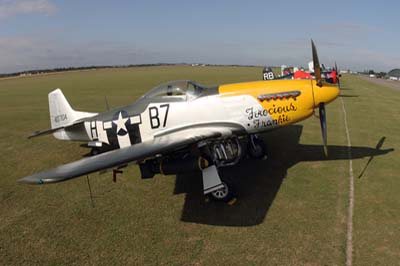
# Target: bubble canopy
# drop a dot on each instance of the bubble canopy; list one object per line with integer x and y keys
{"x": 178, "y": 89}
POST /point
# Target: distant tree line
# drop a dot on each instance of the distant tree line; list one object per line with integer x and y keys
{"x": 63, "y": 69}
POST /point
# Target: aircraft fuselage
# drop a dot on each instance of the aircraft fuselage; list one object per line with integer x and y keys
{"x": 249, "y": 108}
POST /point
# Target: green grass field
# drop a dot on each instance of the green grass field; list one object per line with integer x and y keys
{"x": 292, "y": 209}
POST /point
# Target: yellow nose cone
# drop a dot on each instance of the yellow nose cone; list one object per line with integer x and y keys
{"x": 324, "y": 94}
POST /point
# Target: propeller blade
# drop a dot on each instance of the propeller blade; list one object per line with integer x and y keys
{"x": 322, "y": 119}
{"x": 317, "y": 67}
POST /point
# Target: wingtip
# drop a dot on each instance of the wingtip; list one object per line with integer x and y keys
{"x": 33, "y": 135}
{"x": 30, "y": 181}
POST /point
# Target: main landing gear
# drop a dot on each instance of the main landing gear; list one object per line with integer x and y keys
{"x": 227, "y": 192}
{"x": 209, "y": 157}
{"x": 256, "y": 148}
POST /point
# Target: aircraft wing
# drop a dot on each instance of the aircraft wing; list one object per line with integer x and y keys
{"x": 159, "y": 145}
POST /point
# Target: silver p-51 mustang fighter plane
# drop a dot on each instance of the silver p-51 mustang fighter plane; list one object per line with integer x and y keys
{"x": 182, "y": 126}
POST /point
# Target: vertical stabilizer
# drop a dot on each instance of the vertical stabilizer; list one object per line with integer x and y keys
{"x": 61, "y": 113}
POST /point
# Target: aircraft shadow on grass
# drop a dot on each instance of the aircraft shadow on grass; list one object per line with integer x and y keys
{"x": 258, "y": 181}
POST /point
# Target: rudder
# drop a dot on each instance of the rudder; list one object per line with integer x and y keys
{"x": 61, "y": 112}
{"x": 62, "y": 116}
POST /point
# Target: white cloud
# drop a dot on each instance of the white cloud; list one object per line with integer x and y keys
{"x": 20, "y": 53}
{"x": 11, "y": 8}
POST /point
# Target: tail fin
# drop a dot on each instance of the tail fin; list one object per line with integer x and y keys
{"x": 61, "y": 112}
{"x": 62, "y": 116}
{"x": 268, "y": 74}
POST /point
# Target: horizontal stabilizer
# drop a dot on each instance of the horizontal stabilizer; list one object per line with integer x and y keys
{"x": 44, "y": 132}
{"x": 51, "y": 131}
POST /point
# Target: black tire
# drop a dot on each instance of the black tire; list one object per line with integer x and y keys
{"x": 257, "y": 151}
{"x": 225, "y": 194}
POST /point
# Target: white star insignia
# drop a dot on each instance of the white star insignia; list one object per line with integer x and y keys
{"x": 120, "y": 122}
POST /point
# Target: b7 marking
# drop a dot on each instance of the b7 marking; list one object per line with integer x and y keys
{"x": 154, "y": 115}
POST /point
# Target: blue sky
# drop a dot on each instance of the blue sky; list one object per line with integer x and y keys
{"x": 51, "y": 33}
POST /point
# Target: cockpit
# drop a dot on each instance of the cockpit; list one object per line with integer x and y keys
{"x": 183, "y": 90}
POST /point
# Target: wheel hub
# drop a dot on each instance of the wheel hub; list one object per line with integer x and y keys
{"x": 221, "y": 193}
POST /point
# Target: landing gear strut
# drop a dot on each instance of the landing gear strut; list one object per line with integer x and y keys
{"x": 256, "y": 147}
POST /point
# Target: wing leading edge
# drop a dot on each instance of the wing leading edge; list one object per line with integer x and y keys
{"x": 138, "y": 152}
